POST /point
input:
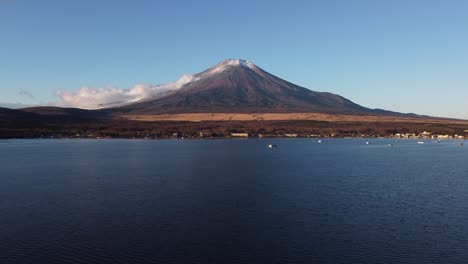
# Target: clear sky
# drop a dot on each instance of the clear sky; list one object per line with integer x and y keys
{"x": 408, "y": 56}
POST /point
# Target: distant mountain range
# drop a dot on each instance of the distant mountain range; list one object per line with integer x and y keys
{"x": 234, "y": 95}
{"x": 239, "y": 86}
{"x": 230, "y": 87}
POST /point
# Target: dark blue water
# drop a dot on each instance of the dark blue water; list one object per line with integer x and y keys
{"x": 233, "y": 201}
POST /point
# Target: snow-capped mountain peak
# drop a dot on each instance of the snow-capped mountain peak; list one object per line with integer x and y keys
{"x": 244, "y": 63}
{"x": 227, "y": 64}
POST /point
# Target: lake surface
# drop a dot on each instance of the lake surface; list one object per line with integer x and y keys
{"x": 233, "y": 201}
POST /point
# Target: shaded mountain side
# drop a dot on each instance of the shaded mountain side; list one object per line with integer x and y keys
{"x": 237, "y": 86}
{"x": 43, "y": 116}
{"x": 73, "y": 114}
{"x": 18, "y": 118}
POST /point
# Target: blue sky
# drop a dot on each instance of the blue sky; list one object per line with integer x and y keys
{"x": 408, "y": 56}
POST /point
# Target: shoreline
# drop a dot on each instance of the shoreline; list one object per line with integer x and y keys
{"x": 230, "y": 138}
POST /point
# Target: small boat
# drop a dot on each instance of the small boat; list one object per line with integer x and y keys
{"x": 390, "y": 145}
{"x": 272, "y": 146}
{"x": 421, "y": 142}
{"x": 368, "y": 143}
{"x": 320, "y": 141}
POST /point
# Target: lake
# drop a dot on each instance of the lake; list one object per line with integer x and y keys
{"x": 233, "y": 201}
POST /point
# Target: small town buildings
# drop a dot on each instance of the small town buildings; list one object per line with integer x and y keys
{"x": 443, "y": 137}
{"x": 244, "y": 135}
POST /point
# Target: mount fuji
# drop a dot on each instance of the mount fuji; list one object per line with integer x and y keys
{"x": 239, "y": 86}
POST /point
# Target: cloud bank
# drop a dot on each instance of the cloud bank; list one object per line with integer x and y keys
{"x": 95, "y": 98}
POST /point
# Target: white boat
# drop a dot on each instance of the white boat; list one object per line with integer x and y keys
{"x": 272, "y": 146}
{"x": 320, "y": 141}
{"x": 421, "y": 142}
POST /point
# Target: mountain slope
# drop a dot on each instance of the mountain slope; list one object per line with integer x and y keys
{"x": 70, "y": 114}
{"x": 40, "y": 116}
{"x": 238, "y": 86}
{"x": 17, "y": 118}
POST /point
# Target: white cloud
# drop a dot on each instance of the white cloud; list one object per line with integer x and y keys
{"x": 94, "y": 98}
